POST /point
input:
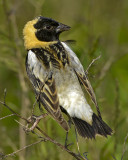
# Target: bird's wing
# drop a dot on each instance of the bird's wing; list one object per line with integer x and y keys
{"x": 49, "y": 99}
{"x": 82, "y": 77}
{"x": 45, "y": 90}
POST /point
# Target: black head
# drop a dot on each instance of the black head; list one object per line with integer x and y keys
{"x": 48, "y": 29}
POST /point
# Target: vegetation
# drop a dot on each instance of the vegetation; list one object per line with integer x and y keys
{"x": 99, "y": 28}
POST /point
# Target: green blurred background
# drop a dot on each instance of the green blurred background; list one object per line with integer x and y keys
{"x": 99, "y": 27}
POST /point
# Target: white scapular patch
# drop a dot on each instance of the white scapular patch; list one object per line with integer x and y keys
{"x": 37, "y": 68}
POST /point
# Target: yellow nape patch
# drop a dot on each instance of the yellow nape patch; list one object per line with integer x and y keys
{"x": 30, "y": 40}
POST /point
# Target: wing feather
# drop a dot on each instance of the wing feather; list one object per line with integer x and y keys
{"x": 44, "y": 86}
{"x": 82, "y": 77}
{"x": 50, "y": 100}
{"x": 87, "y": 85}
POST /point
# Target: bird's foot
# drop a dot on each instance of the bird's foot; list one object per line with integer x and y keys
{"x": 66, "y": 142}
{"x": 84, "y": 156}
{"x": 67, "y": 145}
{"x": 34, "y": 120}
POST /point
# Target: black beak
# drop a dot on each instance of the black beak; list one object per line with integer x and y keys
{"x": 62, "y": 27}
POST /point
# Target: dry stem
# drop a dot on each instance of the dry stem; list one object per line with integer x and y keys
{"x": 46, "y": 138}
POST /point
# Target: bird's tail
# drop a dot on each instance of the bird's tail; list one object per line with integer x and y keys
{"x": 89, "y": 131}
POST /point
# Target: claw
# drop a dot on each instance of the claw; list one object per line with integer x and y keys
{"x": 67, "y": 145}
{"x": 85, "y": 155}
{"x": 34, "y": 120}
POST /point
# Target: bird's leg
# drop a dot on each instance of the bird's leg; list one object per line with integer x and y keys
{"x": 85, "y": 153}
{"x": 77, "y": 141}
{"x": 70, "y": 122}
{"x": 34, "y": 120}
{"x": 66, "y": 139}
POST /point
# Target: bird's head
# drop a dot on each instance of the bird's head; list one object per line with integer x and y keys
{"x": 42, "y": 31}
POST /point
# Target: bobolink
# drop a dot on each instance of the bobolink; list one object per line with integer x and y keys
{"x": 57, "y": 75}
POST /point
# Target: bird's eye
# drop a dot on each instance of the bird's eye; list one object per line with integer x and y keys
{"x": 48, "y": 27}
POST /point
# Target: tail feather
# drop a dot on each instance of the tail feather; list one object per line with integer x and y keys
{"x": 98, "y": 127}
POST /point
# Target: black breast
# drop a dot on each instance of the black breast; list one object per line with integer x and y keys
{"x": 60, "y": 52}
{"x": 42, "y": 55}
{"x": 54, "y": 55}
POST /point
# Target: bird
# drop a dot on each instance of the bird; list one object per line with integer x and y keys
{"x": 57, "y": 76}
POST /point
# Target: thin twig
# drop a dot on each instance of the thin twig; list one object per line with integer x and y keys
{"x": 93, "y": 97}
{"x": 20, "y": 123}
{"x": 114, "y": 157}
{"x": 117, "y": 113}
{"x": 103, "y": 72}
{"x": 124, "y": 146}
{"x": 10, "y": 115}
{"x": 13, "y": 153}
{"x": 12, "y": 110}
{"x": 92, "y": 64}
{"x": 47, "y": 138}
{"x": 60, "y": 145}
